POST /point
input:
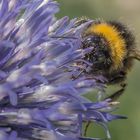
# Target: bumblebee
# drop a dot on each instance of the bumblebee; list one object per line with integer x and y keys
{"x": 113, "y": 51}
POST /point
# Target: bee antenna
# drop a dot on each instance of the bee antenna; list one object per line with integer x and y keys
{"x": 135, "y": 54}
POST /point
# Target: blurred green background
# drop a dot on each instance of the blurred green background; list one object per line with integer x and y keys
{"x": 128, "y": 12}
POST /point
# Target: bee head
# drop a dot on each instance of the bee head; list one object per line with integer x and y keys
{"x": 100, "y": 54}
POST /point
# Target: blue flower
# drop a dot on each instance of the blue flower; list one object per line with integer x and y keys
{"x": 40, "y": 87}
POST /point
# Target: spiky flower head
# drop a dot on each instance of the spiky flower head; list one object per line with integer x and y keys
{"x": 40, "y": 87}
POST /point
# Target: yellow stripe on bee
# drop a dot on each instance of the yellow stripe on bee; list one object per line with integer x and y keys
{"x": 116, "y": 43}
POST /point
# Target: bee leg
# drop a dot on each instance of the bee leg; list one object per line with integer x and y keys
{"x": 118, "y": 93}
{"x": 119, "y": 78}
{"x": 86, "y": 127}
